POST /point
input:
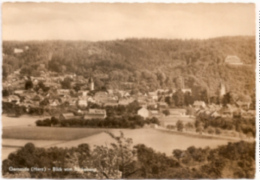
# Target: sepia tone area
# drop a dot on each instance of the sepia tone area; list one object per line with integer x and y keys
{"x": 128, "y": 91}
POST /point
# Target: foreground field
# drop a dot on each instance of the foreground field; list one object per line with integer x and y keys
{"x": 48, "y": 133}
{"x": 160, "y": 141}
{"x": 19, "y": 131}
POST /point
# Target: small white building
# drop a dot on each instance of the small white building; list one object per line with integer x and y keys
{"x": 143, "y": 112}
{"x": 233, "y": 60}
{"x": 199, "y": 104}
{"x": 18, "y": 51}
{"x": 82, "y": 103}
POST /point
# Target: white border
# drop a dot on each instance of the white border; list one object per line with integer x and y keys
{"x": 257, "y": 12}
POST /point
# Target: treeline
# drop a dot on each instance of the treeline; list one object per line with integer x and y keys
{"x": 122, "y": 160}
{"x": 199, "y": 62}
{"x": 18, "y": 110}
{"x": 239, "y": 124}
{"x": 117, "y": 117}
{"x": 134, "y": 121}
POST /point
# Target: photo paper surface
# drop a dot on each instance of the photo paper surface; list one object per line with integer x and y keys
{"x": 129, "y": 90}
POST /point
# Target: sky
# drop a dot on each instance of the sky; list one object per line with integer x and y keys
{"x": 109, "y": 21}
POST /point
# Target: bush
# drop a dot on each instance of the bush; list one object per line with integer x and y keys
{"x": 179, "y": 125}
{"x": 54, "y": 121}
{"x": 217, "y": 131}
{"x": 211, "y": 130}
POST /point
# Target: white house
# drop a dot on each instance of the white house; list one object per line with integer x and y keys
{"x": 199, "y": 104}
{"x": 82, "y": 103}
{"x": 143, "y": 112}
{"x": 18, "y": 51}
{"x": 233, "y": 60}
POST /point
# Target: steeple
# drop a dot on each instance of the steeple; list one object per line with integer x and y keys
{"x": 91, "y": 84}
{"x": 222, "y": 90}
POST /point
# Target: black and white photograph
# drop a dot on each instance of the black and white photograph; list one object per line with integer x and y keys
{"x": 129, "y": 90}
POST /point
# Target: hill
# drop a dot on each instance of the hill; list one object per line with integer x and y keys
{"x": 145, "y": 63}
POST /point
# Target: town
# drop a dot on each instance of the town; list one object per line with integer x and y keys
{"x": 67, "y": 97}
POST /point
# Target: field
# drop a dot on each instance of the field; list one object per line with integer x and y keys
{"x": 19, "y": 131}
{"x": 48, "y": 133}
{"x": 24, "y": 120}
{"x": 158, "y": 140}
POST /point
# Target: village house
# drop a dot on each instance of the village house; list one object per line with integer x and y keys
{"x": 14, "y": 99}
{"x": 18, "y": 51}
{"x": 184, "y": 90}
{"x": 162, "y": 91}
{"x": 95, "y": 114}
{"x": 215, "y": 114}
{"x": 199, "y": 104}
{"x": 83, "y": 93}
{"x": 172, "y": 120}
{"x": 54, "y": 103}
{"x": 63, "y": 92}
{"x": 125, "y": 101}
{"x": 69, "y": 116}
{"x": 90, "y": 99}
{"x": 19, "y": 92}
{"x": 177, "y": 112}
{"x": 153, "y": 95}
{"x": 227, "y": 111}
{"x": 199, "y": 112}
{"x": 243, "y": 105}
{"x": 144, "y": 112}
{"x": 233, "y": 60}
{"x": 248, "y": 114}
{"x": 154, "y": 113}
{"x": 37, "y": 97}
{"x": 110, "y": 102}
{"x": 73, "y": 102}
{"x": 152, "y": 105}
{"x": 162, "y": 105}
{"x": 121, "y": 94}
{"x": 101, "y": 96}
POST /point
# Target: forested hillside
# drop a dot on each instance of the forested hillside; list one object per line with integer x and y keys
{"x": 146, "y": 63}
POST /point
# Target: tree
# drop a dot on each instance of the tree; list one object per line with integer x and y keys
{"x": 177, "y": 153}
{"x": 179, "y": 125}
{"x": 188, "y": 99}
{"x": 189, "y": 126}
{"x": 66, "y": 83}
{"x": 28, "y": 84}
{"x": 166, "y": 112}
{"x": 179, "y": 98}
{"x": 118, "y": 158}
{"x": 168, "y": 100}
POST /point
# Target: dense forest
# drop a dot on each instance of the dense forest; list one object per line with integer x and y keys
{"x": 122, "y": 160}
{"x": 146, "y": 64}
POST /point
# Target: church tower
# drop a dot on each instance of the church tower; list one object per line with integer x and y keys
{"x": 91, "y": 84}
{"x": 222, "y": 90}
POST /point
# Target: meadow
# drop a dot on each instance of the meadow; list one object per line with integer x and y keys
{"x": 48, "y": 133}
{"x": 15, "y": 136}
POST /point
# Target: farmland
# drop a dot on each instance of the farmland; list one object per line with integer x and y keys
{"x": 15, "y": 136}
{"x": 24, "y": 120}
{"x": 47, "y": 133}
{"x": 159, "y": 141}
{"x": 69, "y": 137}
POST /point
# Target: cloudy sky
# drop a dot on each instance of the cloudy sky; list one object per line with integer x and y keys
{"x": 94, "y": 22}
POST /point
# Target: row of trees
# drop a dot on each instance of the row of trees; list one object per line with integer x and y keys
{"x": 122, "y": 160}
{"x": 239, "y": 124}
{"x": 135, "y": 121}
